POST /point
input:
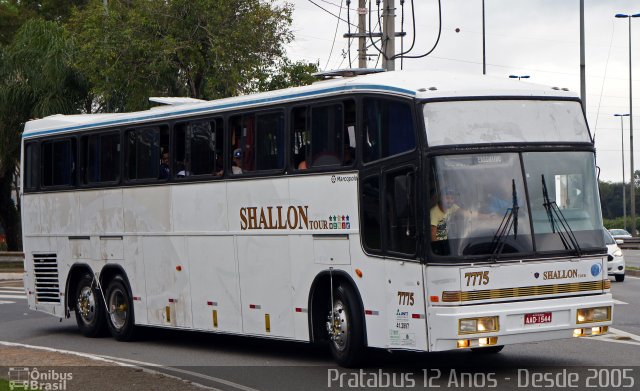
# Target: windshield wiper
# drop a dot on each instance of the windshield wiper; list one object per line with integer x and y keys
{"x": 553, "y": 213}
{"x": 509, "y": 221}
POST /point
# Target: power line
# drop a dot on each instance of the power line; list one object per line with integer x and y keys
{"x": 335, "y": 34}
{"x": 329, "y": 12}
{"x": 437, "y": 39}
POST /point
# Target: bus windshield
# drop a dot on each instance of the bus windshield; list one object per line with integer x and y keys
{"x": 483, "y": 205}
{"x": 504, "y": 121}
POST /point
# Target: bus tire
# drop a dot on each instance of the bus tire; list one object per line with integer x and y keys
{"x": 90, "y": 310}
{"x": 488, "y": 349}
{"x": 120, "y": 319}
{"x": 346, "y": 339}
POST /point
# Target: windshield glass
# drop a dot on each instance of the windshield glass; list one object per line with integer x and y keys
{"x": 479, "y": 205}
{"x": 504, "y": 121}
{"x": 473, "y": 196}
{"x": 570, "y": 183}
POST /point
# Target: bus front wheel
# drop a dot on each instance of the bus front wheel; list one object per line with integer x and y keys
{"x": 345, "y": 328}
{"x": 90, "y": 312}
{"x": 120, "y": 304}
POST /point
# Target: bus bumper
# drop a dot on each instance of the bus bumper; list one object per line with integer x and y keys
{"x": 444, "y": 322}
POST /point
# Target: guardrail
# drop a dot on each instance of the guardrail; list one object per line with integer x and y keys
{"x": 11, "y": 256}
{"x": 633, "y": 244}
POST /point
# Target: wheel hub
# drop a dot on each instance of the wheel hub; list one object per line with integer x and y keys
{"x": 118, "y": 308}
{"x": 338, "y": 325}
{"x": 87, "y": 304}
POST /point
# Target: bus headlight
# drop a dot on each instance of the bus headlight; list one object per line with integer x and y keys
{"x": 596, "y": 314}
{"x": 478, "y": 325}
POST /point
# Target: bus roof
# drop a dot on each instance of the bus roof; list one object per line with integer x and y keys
{"x": 414, "y": 84}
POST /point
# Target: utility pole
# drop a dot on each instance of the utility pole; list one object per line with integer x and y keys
{"x": 389, "y": 35}
{"x": 583, "y": 85}
{"x": 484, "y": 50}
{"x": 362, "y": 38}
{"x": 634, "y": 232}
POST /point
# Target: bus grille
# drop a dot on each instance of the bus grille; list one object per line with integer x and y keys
{"x": 46, "y": 273}
{"x": 526, "y": 291}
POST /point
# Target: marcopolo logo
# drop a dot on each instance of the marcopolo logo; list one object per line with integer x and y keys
{"x": 343, "y": 178}
{"x": 595, "y": 269}
{"x": 34, "y": 379}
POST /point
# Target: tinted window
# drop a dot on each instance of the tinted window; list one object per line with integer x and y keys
{"x": 101, "y": 158}
{"x": 257, "y": 142}
{"x": 388, "y": 129}
{"x": 59, "y": 162}
{"x": 31, "y": 166}
{"x": 198, "y": 148}
{"x": 270, "y": 142}
{"x": 400, "y": 211}
{"x": 147, "y": 153}
{"x": 370, "y": 212}
{"x": 324, "y": 135}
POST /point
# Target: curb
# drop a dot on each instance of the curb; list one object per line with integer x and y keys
{"x": 11, "y": 276}
{"x": 635, "y": 273}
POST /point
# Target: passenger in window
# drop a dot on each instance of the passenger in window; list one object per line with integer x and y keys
{"x": 237, "y": 162}
{"x": 185, "y": 170}
{"x": 164, "y": 166}
{"x": 301, "y": 158}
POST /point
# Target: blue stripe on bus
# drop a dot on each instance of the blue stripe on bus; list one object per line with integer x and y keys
{"x": 227, "y": 106}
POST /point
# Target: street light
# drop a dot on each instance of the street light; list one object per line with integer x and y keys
{"x": 633, "y": 185}
{"x": 624, "y": 199}
{"x": 519, "y": 77}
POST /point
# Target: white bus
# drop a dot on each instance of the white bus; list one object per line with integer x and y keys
{"x": 405, "y": 210}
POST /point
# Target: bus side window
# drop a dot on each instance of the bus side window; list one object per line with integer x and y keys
{"x": 388, "y": 129}
{"x": 145, "y": 150}
{"x": 400, "y": 212}
{"x": 270, "y": 141}
{"x": 327, "y": 126}
{"x": 59, "y": 162}
{"x": 242, "y": 142}
{"x": 301, "y": 138}
{"x": 31, "y": 166}
{"x": 349, "y": 142}
{"x": 195, "y": 146}
{"x": 100, "y": 160}
{"x": 370, "y": 211}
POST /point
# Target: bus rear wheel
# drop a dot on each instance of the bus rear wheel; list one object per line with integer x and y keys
{"x": 345, "y": 328}
{"x": 90, "y": 312}
{"x": 120, "y": 304}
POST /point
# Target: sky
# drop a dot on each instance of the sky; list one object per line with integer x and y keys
{"x": 539, "y": 38}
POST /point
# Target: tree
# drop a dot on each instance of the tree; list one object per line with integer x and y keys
{"x": 36, "y": 80}
{"x": 204, "y": 49}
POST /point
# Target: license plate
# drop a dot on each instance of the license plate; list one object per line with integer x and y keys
{"x": 538, "y": 317}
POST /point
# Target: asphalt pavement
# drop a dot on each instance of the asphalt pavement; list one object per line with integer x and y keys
{"x": 632, "y": 257}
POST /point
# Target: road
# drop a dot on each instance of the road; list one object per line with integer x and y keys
{"x": 632, "y": 257}
{"x": 242, "y": 363}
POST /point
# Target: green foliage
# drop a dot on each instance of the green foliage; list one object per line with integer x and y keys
{"x": 36, "y": 80}
{"x": 618, "y": 222}
{"x": 289, "y": 74}
{"x": 204, "y": 49}
{"x": 75, "y": 56}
